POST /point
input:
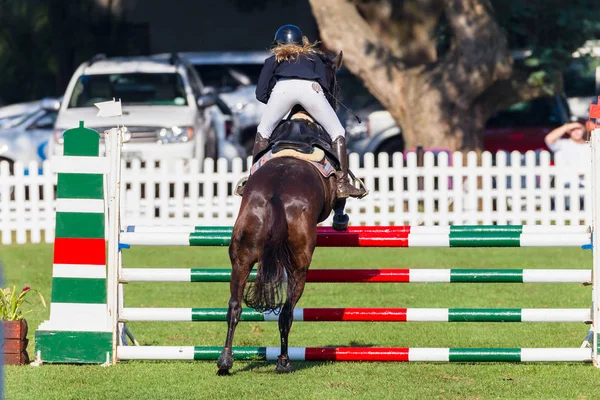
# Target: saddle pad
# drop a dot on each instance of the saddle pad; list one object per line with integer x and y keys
{"x": 302, "y": 115}
{"x": 317, "y": 159}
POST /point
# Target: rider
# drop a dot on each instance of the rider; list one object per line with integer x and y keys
{"x": 299, "y": 73}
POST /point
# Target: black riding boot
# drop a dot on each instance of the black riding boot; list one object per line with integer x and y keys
{"x": 344, "y": 187}
{"x": 260, "y": 145}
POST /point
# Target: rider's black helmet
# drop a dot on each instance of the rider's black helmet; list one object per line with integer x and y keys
{"x": 288, "y": 34}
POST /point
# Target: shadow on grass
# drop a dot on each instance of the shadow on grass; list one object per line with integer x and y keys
{"x": 269, "y": 366}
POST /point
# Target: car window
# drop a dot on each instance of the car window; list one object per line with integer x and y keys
{"x": 224, "y": 76}
{"x": 45, "y": 121}
{"x": 544, "y": 111}
{"x": 131, "y": 88}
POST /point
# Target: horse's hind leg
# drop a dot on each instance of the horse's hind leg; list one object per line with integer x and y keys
{"x": 302, "y": 251}
{"x": 241, "y": 266}
{"x": 286, "y": 318}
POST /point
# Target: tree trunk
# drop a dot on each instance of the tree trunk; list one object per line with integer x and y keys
{"x": 434, "y": 103}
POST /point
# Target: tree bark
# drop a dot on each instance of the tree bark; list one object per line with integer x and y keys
{"x": 439, "y": 104}
{"x": 405, "y": 26}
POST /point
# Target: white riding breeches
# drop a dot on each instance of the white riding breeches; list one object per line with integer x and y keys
{"x": 309, "y": 94}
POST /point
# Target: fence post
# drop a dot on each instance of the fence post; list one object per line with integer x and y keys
{"x": 420, "y": 158}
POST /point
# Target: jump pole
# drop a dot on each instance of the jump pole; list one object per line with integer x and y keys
{"x": 365, "y": 315}
{"x": 372, "y": 275}
{"x": 361, "y": 354}
{"x": 377, "y": 239}
{"x": 435, "y": 230}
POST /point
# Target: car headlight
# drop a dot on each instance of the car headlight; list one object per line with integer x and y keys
{"x": 175, "y": 134}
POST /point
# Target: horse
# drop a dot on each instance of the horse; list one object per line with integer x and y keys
{"x": 283, "y": 201}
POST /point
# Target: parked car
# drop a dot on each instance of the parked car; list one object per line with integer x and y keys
{"x": 233, "y": 75}
{"x": 381, "y": 135}
{"x": 521, "y": 127}
{"x": 26, "y": 137}
{"x": 524, "y": 125}
{"x": 14, "y": 113}
{"x": 166, "y": 109}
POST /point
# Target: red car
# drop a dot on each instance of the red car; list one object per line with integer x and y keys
{"x": 523, "y": 126}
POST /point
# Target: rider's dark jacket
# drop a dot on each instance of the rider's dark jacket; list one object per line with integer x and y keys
{"x": 312, "y": 67}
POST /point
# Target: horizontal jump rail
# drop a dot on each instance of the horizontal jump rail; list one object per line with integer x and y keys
{"x": 360, "y": 354}
{"x": 367, "y": 314}
{"x": 446, "y": 229}
{"x": 393, "y": 239}
{"x": 372, "y": 275}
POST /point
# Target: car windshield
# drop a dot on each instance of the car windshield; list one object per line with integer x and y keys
{"x": 134, "y": 89}
{"x": 14, "y": 120}
{"x": 227, "y": 75}
{"x": 544, "y": 111}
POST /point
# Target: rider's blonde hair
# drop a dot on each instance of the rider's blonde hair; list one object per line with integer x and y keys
{"x": 291, "y": 51}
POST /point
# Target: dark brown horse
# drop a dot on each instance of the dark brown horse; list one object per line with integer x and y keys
{"x": 276, "y": 227}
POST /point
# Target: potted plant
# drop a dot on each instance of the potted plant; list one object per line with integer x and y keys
{"x": 14, "y": 325}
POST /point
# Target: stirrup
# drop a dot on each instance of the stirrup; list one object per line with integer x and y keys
{"x": 239, "y": 187}
{"x": 362, "y": 185}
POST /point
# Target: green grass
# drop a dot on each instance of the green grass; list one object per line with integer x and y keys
{"x": 31, "y": 265}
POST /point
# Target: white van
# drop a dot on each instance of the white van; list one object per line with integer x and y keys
{"x": 166, "y": 110}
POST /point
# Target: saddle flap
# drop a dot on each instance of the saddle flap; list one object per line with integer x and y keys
{"x": 301, "y": 134}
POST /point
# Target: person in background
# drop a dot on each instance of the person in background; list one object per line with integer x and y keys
{"x": 575, "y": 159}
{"x": 576, "y": 152}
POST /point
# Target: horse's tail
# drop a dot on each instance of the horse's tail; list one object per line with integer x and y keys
{"x": 267, "y": 292}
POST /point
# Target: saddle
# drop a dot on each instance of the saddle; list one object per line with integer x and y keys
{"x": 301, "y": 133}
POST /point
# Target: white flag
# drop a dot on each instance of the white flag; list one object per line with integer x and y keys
{"x": 111, "y": 108}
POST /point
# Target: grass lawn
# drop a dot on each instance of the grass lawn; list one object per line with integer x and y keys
{"x": 31, "y": 265}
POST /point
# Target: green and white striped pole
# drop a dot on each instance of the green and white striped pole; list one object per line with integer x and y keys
{"x": 365, "y": 315}
{"x": 79, "y": 329}
{"x": 401, "y": 354}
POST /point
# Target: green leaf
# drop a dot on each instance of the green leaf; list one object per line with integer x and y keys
{"x": 537, "y": 78}
{"x": 532, "y": 62}
{"x": 11, "y": 303}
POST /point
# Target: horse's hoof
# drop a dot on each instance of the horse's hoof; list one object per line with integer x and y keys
{"x": 284, "y": 365}
{"x": 225, "y": 362}
{"x": 340, "y": 222}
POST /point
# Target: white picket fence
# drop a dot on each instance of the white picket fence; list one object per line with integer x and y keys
{"x": 461, "y": 189}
